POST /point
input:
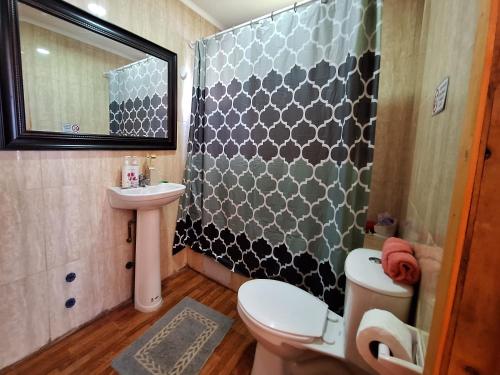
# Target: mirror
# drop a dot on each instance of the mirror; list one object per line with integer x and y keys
{"x": 76, "y": 81}
{"x": 85, "y": 82}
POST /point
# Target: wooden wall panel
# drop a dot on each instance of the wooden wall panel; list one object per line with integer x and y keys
{"x": 476, "y": 343}
{"x": 471, "y": 335}
{"x": 448, "y": 293}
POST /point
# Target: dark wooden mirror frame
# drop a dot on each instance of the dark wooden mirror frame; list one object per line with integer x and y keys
{"x": 13, "y": 133}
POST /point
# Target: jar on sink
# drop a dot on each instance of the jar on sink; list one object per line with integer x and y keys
{"x": 130, "y": 172}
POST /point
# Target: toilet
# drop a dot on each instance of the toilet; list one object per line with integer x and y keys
{"x": 296, "y": 333}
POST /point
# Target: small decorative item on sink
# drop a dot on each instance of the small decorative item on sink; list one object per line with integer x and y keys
{"x": 130, "y": 172}
{"x": 147, "y": 201}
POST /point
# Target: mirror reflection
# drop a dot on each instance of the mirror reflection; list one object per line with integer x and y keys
{"x": 79, "y": 82}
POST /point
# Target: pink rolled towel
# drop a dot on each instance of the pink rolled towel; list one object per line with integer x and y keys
{"x": 398, "y": 261}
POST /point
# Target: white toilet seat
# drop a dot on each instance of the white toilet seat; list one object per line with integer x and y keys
{"x": 280, "y": 351}
{"x": 283, "y": 335}
{"x": 283, "y": 307}
{"x": 326, "y": 329}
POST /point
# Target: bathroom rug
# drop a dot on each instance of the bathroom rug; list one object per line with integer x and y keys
{"x": 179, "y": 343}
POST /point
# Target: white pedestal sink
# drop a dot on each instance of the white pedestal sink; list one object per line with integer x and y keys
{"x": 147, "y": 201}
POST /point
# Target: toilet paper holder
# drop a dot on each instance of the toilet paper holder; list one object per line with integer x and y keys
{"x": 396, "y": 366}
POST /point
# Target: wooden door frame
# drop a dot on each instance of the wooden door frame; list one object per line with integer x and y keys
{"x": 469, "y": 166}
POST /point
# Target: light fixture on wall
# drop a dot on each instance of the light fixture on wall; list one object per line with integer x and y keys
{"x": 96, "y": 9}
{"x": 43, "y": 51}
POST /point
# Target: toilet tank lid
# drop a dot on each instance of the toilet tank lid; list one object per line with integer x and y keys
{"x": 283, "y": 307}
{"x": 363, "y": 268}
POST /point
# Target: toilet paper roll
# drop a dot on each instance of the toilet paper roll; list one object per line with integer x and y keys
{"x": 379, "y": 326}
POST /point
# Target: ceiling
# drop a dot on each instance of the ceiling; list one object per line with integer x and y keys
{"x": 228, "y": 13}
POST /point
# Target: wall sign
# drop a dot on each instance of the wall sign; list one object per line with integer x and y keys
{"x": 73, "y": 128}
{"x": 440, "y": 97}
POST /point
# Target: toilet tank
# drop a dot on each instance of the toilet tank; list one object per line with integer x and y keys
{"x": 368, "y": 287}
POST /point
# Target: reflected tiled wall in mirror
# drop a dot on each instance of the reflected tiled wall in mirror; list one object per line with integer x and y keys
{"x": 79, "y": 82}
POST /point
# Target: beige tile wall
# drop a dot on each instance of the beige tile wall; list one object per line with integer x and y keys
{"x": 25, "y": 317}
{"x": 448, "y": 34}
{"x": 446, "y": 53}
{"x": 401, "y": 23}
{"x": 416, "y": 153}
{"x": 55, "y": 218}
{"x": 214, "y": 270}
{"x": 70, "y": 79}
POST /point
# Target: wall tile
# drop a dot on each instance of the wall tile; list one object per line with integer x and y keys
{"x": 374, "y": 241}
{"x": 169, "y": 264}
{"x": 216, "y": 271}
{"x": 20, "y": 170}
{"x": 114, "y": 280}
{"x": 430, "y": 260}
{"x": 24, "y": 318}
{"x": 68, "y": 213}
{"x": 236, "y": 281}
{"x": 429, "y": 173}
{"x": 400, "y": 31}
{"x": 210, "y": 268}
{"x": 195, "y": 260}
{"x": 64, "y": 168}
{"x": 22, "y": 236}
{"x": 436, "y": 139}
{"x": 105, "y": 167}
{"x": 109, "y": 225}
{"x": 85, "y": 289}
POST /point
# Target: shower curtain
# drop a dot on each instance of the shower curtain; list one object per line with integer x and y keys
{"x": 138, "y": 104}
{"x": 281, "y": 145}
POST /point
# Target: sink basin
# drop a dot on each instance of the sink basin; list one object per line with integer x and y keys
{"x": 148, "y": 197}
{"x": 148, "y": 202}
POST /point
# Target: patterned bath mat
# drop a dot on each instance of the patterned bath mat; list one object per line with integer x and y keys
{"x": 179, "y": 343}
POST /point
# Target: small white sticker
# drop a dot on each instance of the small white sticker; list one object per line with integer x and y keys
{"x": 440, "y": 97}
{"x": 71, "y": 128}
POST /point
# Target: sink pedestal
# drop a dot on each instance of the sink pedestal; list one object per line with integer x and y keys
{"x": 148, "y": 202}
{"x": 147, "y": 294}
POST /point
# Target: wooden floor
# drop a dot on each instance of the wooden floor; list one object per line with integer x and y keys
{"x": 91, "y": 349}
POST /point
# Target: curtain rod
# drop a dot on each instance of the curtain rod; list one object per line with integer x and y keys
{"x": 126, "y": 66}
{"x": 259, "y": 19}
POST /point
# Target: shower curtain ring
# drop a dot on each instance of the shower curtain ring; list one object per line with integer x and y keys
{"x": 295, "y": 7}
{"x": 272, "y": 15}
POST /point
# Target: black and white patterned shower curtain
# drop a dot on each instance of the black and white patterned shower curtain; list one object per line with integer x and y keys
{"x": 281, "y": 145}
{"x": 138, "y": 99}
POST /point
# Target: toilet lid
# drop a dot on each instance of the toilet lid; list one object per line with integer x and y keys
{"x": 283, "y": 307}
